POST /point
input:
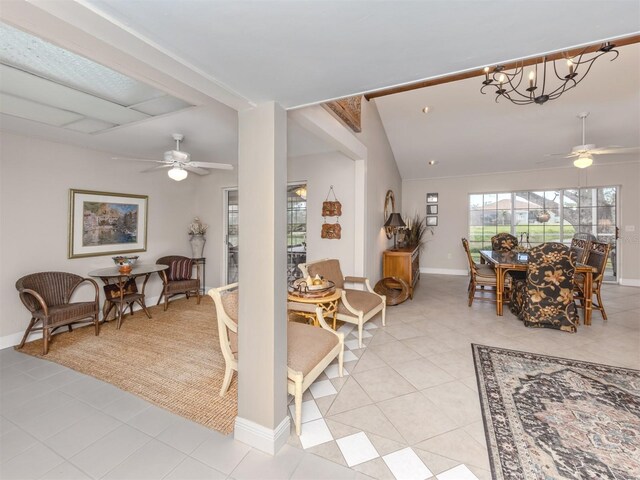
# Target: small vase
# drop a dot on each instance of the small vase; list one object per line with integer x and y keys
{"x": 197, "y": 245}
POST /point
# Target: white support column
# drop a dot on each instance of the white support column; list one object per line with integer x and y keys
{"x": 262, "y": 420}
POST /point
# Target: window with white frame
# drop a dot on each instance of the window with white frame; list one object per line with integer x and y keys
{"x": 540, "y": 216}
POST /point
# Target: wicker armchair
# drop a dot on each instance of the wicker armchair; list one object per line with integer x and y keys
{"x": 580, "y": 246}
{"x": 47, "y": 295}
{"x": 171, "y": 287}
{"x": 481, "y": 275}
{"x": 595, "y": 257}
{"x": 356, "y": 306}
{"x": 309, "y": 349}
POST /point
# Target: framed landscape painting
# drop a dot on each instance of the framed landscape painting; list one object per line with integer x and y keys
{"x": 104, "y": 223}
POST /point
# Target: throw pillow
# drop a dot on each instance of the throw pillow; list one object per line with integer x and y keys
{"x": 180, "y": 269}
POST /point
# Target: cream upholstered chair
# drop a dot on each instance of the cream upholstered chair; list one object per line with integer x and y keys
{"x": 309, "y": 349}
{"x": 356, "y": 306}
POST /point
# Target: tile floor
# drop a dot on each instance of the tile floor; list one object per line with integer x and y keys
{"x": 407, "y": 407}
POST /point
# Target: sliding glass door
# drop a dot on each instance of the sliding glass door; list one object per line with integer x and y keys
{"x": 296, "y": 231}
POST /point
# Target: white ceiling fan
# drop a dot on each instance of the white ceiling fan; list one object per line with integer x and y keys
{"x": 179, "y": 162}
{"x": 583, "y": 154}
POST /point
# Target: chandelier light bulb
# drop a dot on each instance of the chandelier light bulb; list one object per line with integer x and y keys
{"x": 571, "y": 66}
{"x": 177, "y": 173}
{"x": 583, "y": 161}
{"x": 532, "y": 77}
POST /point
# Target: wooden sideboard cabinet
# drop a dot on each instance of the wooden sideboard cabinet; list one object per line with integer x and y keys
{"x": 402, "y": 263}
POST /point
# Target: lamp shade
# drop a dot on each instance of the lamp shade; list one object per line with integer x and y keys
{"x": 177, "y": 173}
{"x": 395, "y": 220}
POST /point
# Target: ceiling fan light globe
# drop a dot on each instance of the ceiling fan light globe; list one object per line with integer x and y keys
{"x": 583, "y": 161}
{"x": 177, "y": 173}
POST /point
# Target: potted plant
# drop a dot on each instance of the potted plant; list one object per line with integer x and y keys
{"x": 414, "y": 232}
{"x": 197, "y": 231}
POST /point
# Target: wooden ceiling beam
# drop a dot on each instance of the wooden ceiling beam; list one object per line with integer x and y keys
{"x": 619, "y": 42}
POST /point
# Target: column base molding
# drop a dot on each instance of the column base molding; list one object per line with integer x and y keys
{"x": 260, "y": 437}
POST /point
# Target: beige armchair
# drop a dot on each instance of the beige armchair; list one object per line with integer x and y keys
{"x": 356, "y": 306}
{"x": 309, "y": 349}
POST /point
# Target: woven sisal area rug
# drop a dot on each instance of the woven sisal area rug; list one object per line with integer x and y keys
{"x": 555, "y": 418}
{"x": 172, "y": 360}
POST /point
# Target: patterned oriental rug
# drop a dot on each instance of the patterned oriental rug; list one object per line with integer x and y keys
{"x": 172, "y": 360}
{"x": 555, "y": 418}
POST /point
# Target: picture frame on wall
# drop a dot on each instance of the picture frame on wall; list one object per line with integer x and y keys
{"x": 432, "y": 220}
{"x": 432, "y": 209}
{"x": 106, "y": 223}
{"x": 432, "y": 198}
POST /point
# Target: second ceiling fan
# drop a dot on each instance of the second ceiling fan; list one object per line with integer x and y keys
{"x": 583, "y": 154}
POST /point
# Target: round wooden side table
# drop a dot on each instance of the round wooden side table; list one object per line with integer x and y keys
{"x": 329, "y": 305}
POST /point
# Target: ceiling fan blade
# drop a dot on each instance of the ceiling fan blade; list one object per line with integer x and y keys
{"x": 130, "y": 159}
{"x": 158, "y": 167}
{"x": 564, "y": 155}
{"x": 198, "y": 171}
{"x": 220, "y": 166}
{"x": 613, "y": 150}
{"x": 549, "y": 160}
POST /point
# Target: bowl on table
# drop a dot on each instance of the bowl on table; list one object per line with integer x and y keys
{"x": 125, "y": 263}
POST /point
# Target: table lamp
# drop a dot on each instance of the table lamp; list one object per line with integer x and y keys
{"x": 395, "y": 221}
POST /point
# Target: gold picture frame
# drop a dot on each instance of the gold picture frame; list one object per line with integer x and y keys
{"x": 106, "y": 223}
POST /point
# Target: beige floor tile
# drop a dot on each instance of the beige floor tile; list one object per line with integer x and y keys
{"x": 458, "y": 363}
{"x": 339, "y": 429}
{"x": 375, "y": 468}
{"x": 369, "y": 419}
{"x": 368, "y": 361}
{"x": 383, "y": 383}
{"x": 394, "y": 352}
{"x": 457, "y": 445}
{"x": 434, "y": 462}
{"x": 457, "y": 401}
{"x": 330, "y": 451}
{"x": 381, "y": 337}
{"x": 384, "y": 445}
{"x": 416, "y": 417}
{"x": 350, "y": 396}
{"x": 422, "y": 373}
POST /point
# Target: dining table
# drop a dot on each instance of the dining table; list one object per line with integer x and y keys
{"x": 121, "y": 289}
{"x": 503, "y": 262}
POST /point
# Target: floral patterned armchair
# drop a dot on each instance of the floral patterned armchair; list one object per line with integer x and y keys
{"x": 503, "y": 242}
{"x": 545, "y": 298}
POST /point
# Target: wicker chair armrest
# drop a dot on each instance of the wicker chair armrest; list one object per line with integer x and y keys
{"x": 37, "y": 296}
{"x": 90, "y": 280}
{"x": 163, "y": 276}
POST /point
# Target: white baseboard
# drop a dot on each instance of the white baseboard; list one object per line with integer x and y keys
{"x": 444, "y": 271}
{"x": 261, "y": 437}
{"x": 630, "y": 282}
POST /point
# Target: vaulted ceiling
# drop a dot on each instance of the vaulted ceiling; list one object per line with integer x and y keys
{"x": 227, "y": 55}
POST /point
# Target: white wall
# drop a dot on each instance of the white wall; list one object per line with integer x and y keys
{"x": 320, "y": 171}
{"x": 444, "y": 250}
{"x": 382, "y": 174}
{"x": 35, "y": 178}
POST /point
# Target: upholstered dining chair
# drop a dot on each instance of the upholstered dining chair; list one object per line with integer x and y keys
{"x": 595, "y": 257}
{"x": 356, "y": 306}
{"x": 545, "y": 297}
{"x": 503, "y": 242}
{"x": 176, "y": 280}
{"x": 481, "y": 275}
{"x": 310, "y": 349}
{"x": 47, "y": 295}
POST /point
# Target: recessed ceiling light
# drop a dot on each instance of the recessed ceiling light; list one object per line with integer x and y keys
{"x": 425, "y": 109}
{"x": 433, "y": 162}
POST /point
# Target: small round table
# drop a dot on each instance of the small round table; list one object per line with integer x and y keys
{"x": 328, "y": 303}
{"x": 121, "y": 290}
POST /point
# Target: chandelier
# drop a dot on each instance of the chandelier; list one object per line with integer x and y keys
{"x": 546, "y": 81}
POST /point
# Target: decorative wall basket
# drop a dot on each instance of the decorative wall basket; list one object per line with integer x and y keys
{"x": 331, "y": 208}
{"x": 331, "y": 231}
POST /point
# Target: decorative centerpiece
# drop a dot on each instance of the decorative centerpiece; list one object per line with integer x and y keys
{"x": 315, "y": 287}
{"x": 197, "y": 230}
{"x": 125, "y": 263}
{"x": 414, "y": 232}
